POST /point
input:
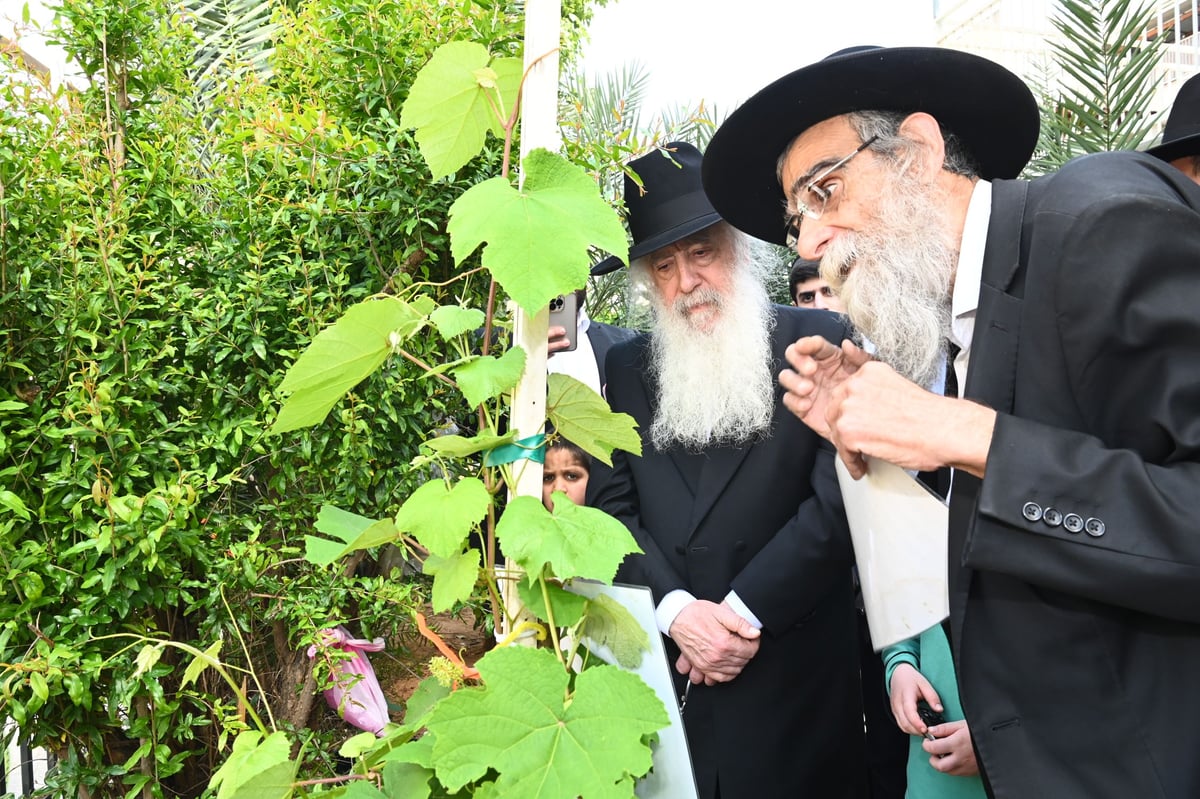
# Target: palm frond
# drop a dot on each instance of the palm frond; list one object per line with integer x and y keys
{"x": 1106, "y": 64}
{"x": 235, "y": 36}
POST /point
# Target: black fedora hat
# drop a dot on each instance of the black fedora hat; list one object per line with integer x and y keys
{"x": 989, "y": 108}
{"x": 1181, "y": 136}
{"x": 671, "y": 206}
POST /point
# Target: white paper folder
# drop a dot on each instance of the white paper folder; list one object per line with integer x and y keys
{"x": 899, "y": 531}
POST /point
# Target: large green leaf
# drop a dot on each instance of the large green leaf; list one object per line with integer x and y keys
{"x": 361, "y": 789}
{"x": 610, "y": 623}
{"x": 582, "y": 417}
{"x": 341, "y": 356}
{"x": 349, "y": 533}
{"x": 459, "y": 96}
{"x": 454, "y": 578}
{"x": 485, "y": 377}
{"x": 575, "y": 541}
{"x": 258, "y": 768}
{"x": 537, "y": 237}
{"x": 406, "y": 781}
{"x": 454, "y": 320}
{"x": 460, "y": 447}
{"x": 544, "y": 744}
{"x": 568, "y": 608}
{"x": 442, "y": 517}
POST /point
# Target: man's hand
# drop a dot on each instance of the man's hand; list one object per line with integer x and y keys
{"x": 715, "y": 642}
{"x": 865, "y": 408}
{"x": 556, "y": 339}
{"x": 818, "y": 367}
{"x": 950, "y": 750}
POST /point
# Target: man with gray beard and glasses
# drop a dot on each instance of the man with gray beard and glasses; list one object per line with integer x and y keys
{"x": 1068, "y": 307}
{"x": 735, "y": 505}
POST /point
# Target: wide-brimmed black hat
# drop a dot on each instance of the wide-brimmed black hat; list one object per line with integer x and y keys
{"x": 989, "y": 108}
{"x": 670, "y": 204}
{"x": 1181, "y": 136}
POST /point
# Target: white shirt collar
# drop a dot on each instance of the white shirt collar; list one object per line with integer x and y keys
{"x": 969, "y": 273}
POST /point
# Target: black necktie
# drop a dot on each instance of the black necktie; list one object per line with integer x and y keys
{"x": 951, "y": 387}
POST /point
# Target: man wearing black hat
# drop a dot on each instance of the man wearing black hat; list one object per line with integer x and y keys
{"x": 735, "y": 504}
{"x": 1180, "y": 145}
{"x": 1074, "y": 531}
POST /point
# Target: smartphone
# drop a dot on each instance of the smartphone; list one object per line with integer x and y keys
{"x": 930, "y": 716}
{"x": 564, "y": 312}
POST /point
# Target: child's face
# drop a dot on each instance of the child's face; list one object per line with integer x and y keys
{"x": 562, "y": 472}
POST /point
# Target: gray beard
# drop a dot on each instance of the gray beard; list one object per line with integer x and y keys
{"x": 894, "y": 279}
{"x": 715, "y": 387}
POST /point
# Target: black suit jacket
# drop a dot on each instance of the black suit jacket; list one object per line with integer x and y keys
{"x": 765, "y": 520}
{"x": 602, "y": 337}
{"x": 1075, "y": 563}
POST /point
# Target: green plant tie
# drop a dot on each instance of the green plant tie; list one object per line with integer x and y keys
{"x": 532, "y": 448}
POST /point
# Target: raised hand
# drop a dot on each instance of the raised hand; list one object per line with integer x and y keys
{"x": 818, "y": 367}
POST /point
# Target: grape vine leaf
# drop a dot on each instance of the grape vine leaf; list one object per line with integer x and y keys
{"x": 453, "y": 577}
{"x": 423, "y": 700}
{"x": 609, "y": 623}
{"x": 583, "y": 417}
{"x": 361, "y": 789}
{"x": 451, "y": 103}
{"x": 454, "y": 320}
{"x": 537, "y": 237}
{"x": 341, "y": 356}
{"x": 568, "y": 608}
{"x": 485, "y": 377}
{"x": 441, "y": 517}
{"x": 574, "y": 541}
{"x": 460, "y": 447}
{"x": 543, "y": 745}
{"x": 418, "y": 752}
{"x": 348, "y": 533}
{"x": 406, "y": 781}
{"x": 257, "y": 768}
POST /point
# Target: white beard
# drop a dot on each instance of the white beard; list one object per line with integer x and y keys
{"x": 894, "y": 278}
{"x": 714, "y": 387}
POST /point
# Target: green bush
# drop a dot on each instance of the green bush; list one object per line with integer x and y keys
{"x": 164, "y": 256}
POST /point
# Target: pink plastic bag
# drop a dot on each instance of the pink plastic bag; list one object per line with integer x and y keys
{"x": 355, "y": 695}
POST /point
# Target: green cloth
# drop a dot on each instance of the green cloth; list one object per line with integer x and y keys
{"x": 929, "y": 653}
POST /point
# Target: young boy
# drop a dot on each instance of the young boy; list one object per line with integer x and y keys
{"x": 566, "y": 469}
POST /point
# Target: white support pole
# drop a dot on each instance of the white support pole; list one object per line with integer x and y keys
{"x": 539, "y": 128}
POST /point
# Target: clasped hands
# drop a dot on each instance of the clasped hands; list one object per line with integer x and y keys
{"x": 714, "y": 641}
{"x": 866, "y": 409}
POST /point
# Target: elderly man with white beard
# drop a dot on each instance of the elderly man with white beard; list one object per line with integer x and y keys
{"x": 1074, "y": 534}
{"x": 735, "y": 504}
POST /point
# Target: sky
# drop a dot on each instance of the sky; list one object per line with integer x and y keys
{"x": 31, "y": 39}
{"x": 722, "y": 51}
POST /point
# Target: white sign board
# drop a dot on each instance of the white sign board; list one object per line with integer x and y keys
{"x": 671, "y": 776}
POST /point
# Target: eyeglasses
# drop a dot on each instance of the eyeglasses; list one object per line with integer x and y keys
{"x": 813, "y": 198}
